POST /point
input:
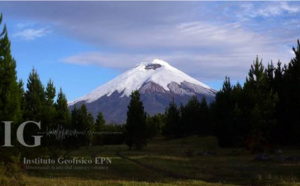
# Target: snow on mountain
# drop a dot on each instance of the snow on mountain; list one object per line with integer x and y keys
{"x": 145, "y": 75}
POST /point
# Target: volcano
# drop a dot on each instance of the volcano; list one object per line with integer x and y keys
{"x": 158, "y": 83}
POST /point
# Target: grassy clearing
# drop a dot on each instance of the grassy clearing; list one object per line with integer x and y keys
{"x": 189, "y": 161}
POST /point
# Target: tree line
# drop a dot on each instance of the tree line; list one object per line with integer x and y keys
{"x": 261, "y": 114}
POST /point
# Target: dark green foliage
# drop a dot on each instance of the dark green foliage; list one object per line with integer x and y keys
{"x": 154, "y": 125}
{"x": 10, "y": 102}
{"x": 204, "y": 127}
{"x": 100, "y": 122}
{"x": 246, "y": 115}
{"x": 110, "y": 134}
{"x": 99, "y": 127}
{"x": 113, "y": 134}
{"x": 74, "y": 141}
{"x": 289, "y": 106}
{"x": 49, "y": 109}
{"x": 225, "y": 109}
{"x": 34, "y": 105}
{"x": 190, "y": 119}
{"x": 83, "y": 123}
{"x": 50, "y": 93}
{"x": 262, "y": 103}
{"x": 173, "y": 126}
{"x": 34, "y": 98}
{"x": 90, "y": 128}
{"x": 62, "y": 115}
{"x": 136, "y": 123}
{"x": 10, "y": 89}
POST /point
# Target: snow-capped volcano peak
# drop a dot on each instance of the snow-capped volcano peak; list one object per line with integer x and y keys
{"x": 158, "y": 72}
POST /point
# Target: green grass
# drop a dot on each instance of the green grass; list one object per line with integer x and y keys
{"x": 190, "y": 161}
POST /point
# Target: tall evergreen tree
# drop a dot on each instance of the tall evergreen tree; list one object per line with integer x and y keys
{"x": 50, "y": 93}
{"x": 62, "y": 110}
{"x": 190, "y": 119}
{"x": 99, "y": 127}
{"x": 35, "y": 98}
{"x": 261, "y": 105}
{"x": 10, "y": 88}
{"x": 173, "y": 126}
{"x": 34, "y": 104}
{"x": 223, "y": 109}
{"x": 83, "y": 123}
{"x": 74, "y": 141}
{"x": 10, "y": 92}
{"x": 291, "y": 99}
{"x": 136, "y": 122}
{"x": 204, "y": 126}
{"x": 100, "y": 122}
{"x": 50, "y": 111}
{"x": 62, "y": 115}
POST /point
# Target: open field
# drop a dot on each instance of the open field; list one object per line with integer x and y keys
{"x": 189, "y": 161}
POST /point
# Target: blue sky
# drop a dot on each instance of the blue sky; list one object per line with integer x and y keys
{"x": 81, "y": 45}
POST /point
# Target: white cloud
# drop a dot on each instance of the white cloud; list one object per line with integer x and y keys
{"x": 110, "y": 60}
{"x": 285, "y": 6}
{"x": 31, "y": 33}
{"x": 203, "y": 49}
{"x": 269, "y": 10}
{"x": 203, "y": 66}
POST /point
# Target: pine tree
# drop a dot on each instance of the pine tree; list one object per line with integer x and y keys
{"x": 173, "y": 126}
{"x": 82, "y": 122}
{"x": 85, "y": 124}
{"x": 222, "y": 111}
{"x": 261, "y": 104}
{"x": 50, "y": 112}
{"x": 90, "y": 129}
{"x": 75, "y": 141}
{"x": 50, "y": 93}
{"x": 191, "y": 116}
{"x": 62, "y": 110}
{"x": 100, "y": 122}
{"x": 10, "y": 89}
{"x": 34, "y": 104}
{"x": 35, "y": 98}
{"x": 291, "y": 99}
{"x": 99, "y": 127}
{"x": 62, "y": 116}
{"x": 10, "y": 92}
{"x": 136, "y": 122}
{"x": 203, "y": 127}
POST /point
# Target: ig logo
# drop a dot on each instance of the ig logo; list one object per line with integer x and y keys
{"x": 20, "y": 134}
